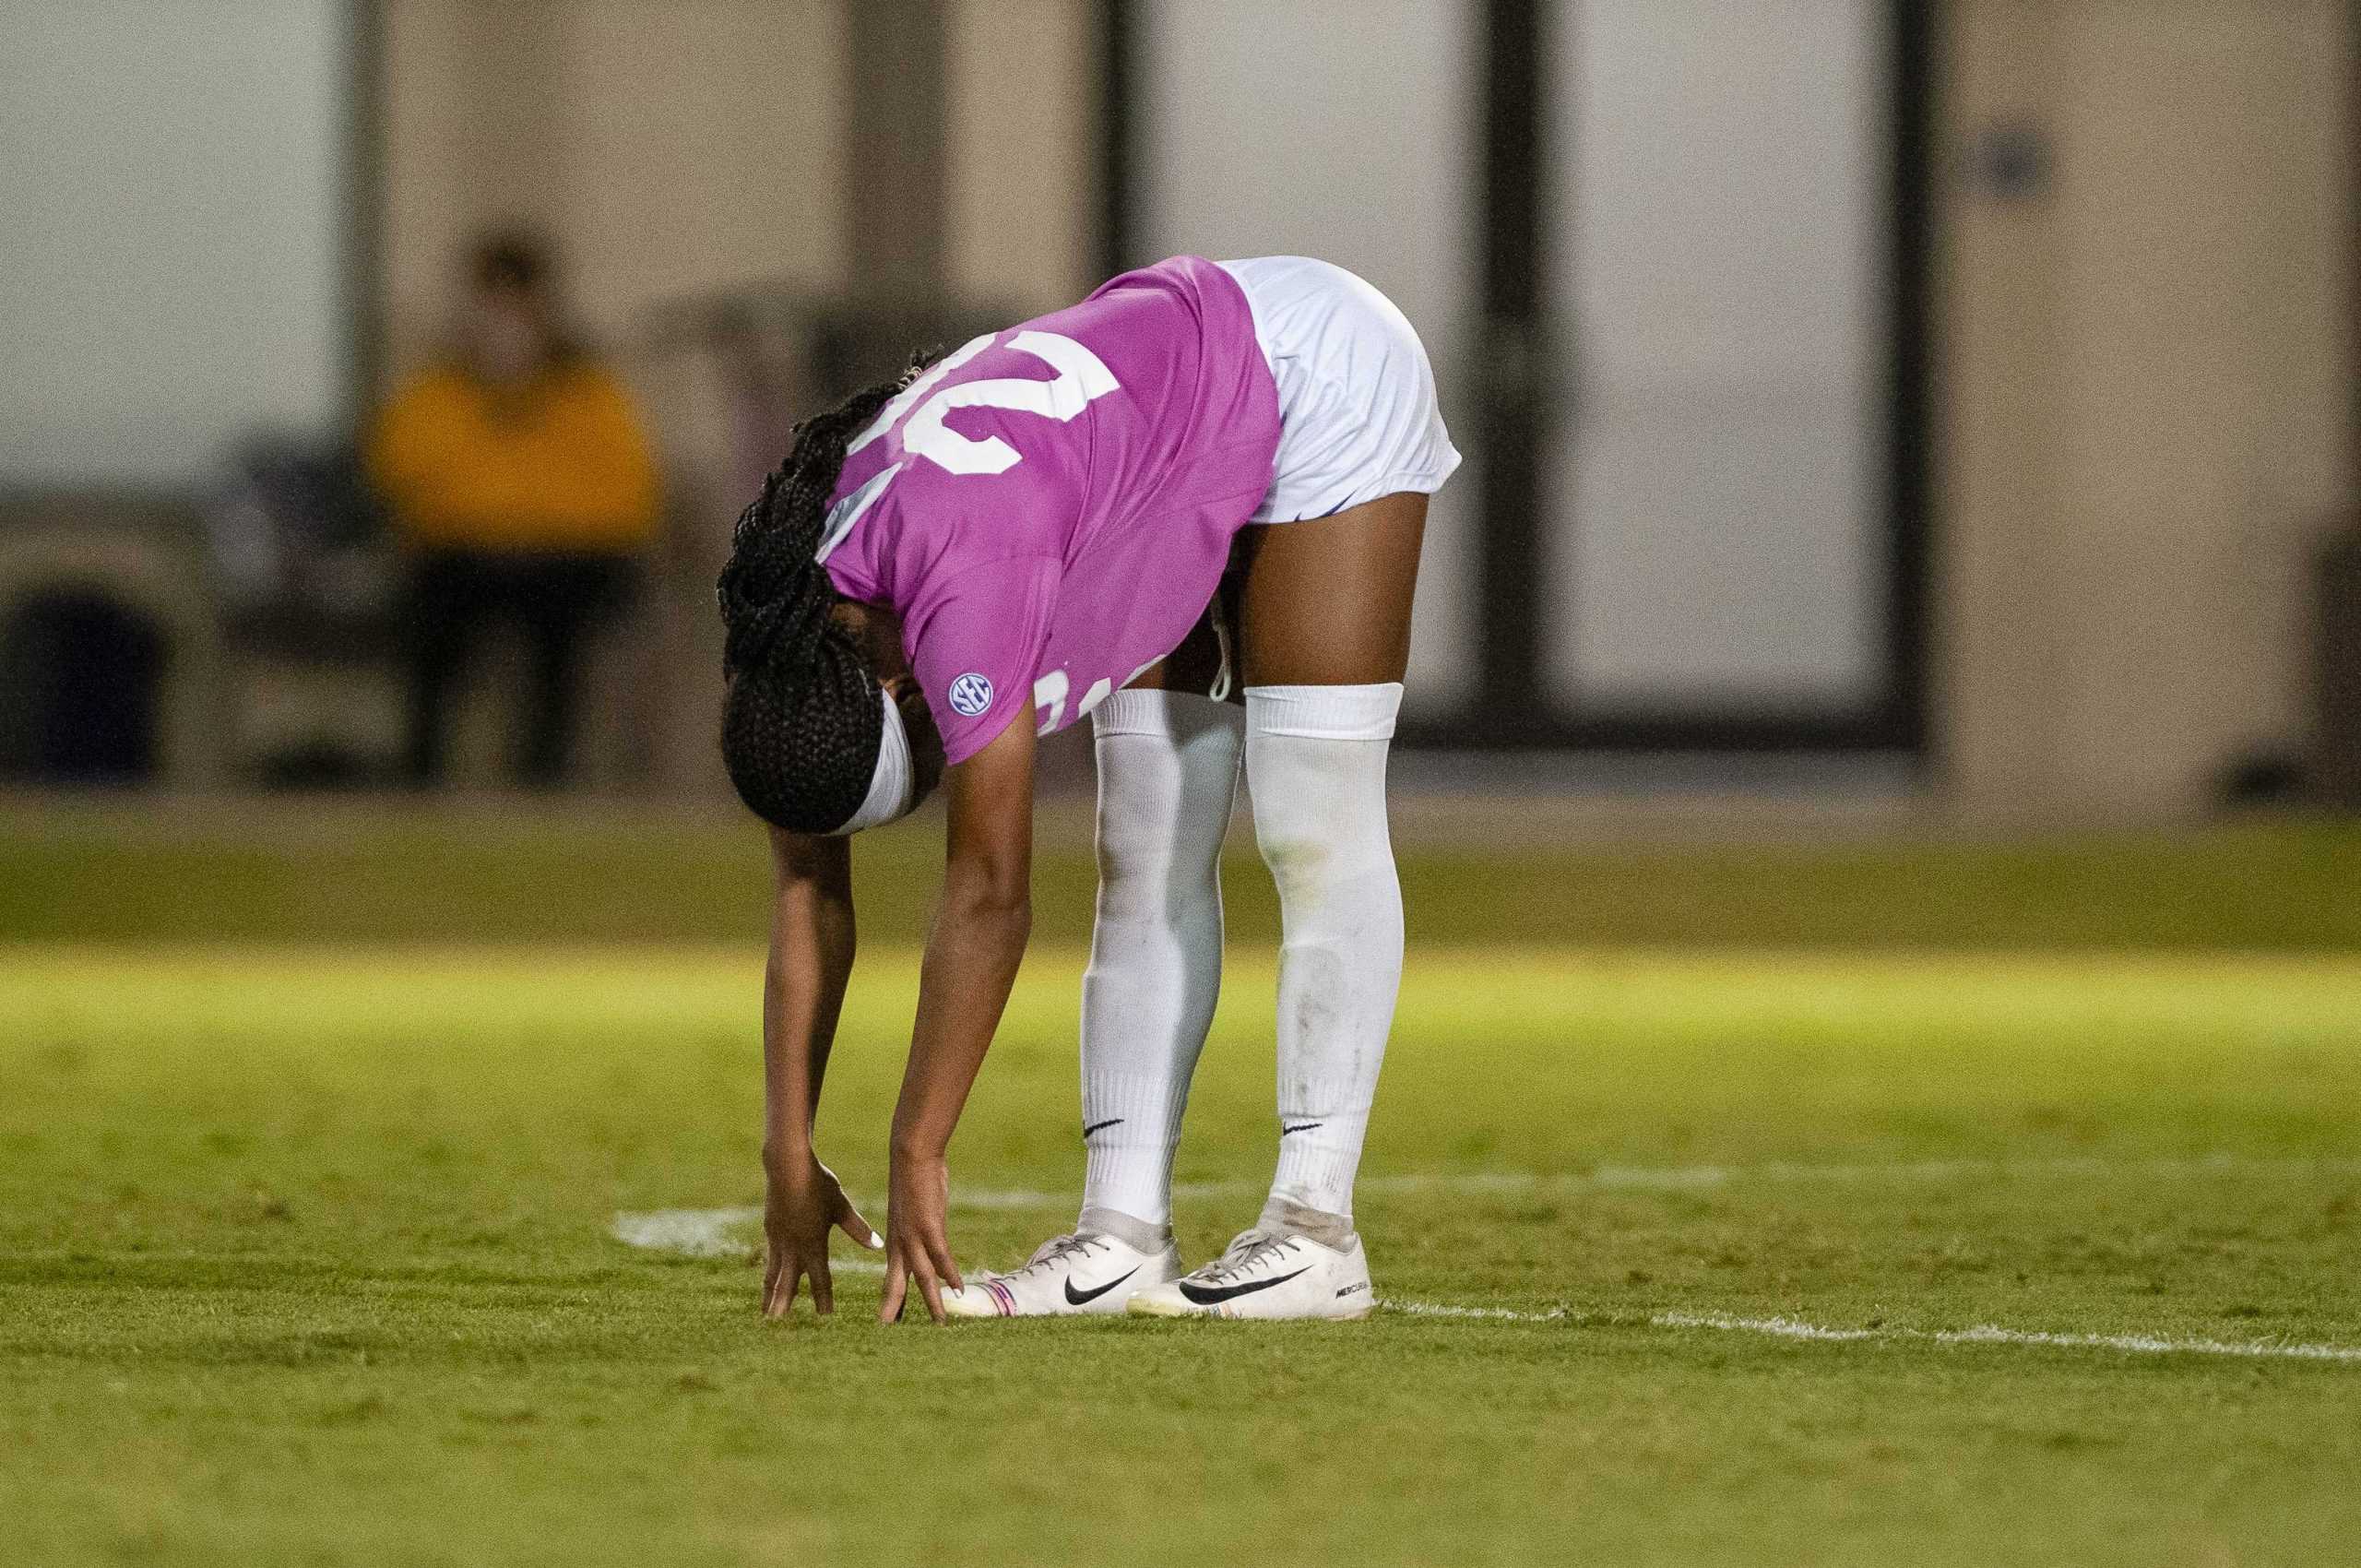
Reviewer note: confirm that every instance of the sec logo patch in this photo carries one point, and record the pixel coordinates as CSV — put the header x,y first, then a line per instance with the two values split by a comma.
x,y
970,694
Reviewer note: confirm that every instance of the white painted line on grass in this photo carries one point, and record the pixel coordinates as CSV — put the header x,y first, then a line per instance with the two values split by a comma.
x,y
708,1233
699,1227
696,1232
1499,1315
1987,1334
1689,1178
713,1233
1991,1333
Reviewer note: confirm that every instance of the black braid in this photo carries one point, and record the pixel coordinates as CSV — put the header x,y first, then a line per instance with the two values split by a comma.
x,y
802,725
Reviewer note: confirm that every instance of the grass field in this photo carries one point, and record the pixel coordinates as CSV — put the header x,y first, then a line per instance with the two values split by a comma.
x,y
309,1249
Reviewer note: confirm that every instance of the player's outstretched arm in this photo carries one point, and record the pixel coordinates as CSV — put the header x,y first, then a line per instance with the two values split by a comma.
x,y
972,957
803,990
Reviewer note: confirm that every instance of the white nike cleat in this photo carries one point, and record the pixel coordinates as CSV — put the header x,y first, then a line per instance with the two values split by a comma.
x,y
1267,1276
1069,1276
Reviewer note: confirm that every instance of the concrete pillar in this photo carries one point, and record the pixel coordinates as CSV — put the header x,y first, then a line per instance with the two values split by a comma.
x,y
1998,626
894,170
2146,367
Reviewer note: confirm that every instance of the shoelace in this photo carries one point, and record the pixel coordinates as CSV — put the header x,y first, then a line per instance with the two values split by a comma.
x,y
1056,1249
1248,1249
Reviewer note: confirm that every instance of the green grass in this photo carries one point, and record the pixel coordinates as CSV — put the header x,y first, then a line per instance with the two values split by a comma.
x,y
297,871
304,1252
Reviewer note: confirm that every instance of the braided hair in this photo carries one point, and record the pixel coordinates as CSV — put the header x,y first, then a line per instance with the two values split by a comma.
x,y
801,722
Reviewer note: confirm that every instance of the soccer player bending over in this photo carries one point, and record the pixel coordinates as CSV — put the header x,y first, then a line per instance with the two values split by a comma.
x,y
1205,482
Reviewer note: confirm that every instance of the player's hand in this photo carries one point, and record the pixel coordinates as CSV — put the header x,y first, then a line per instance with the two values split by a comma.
x,y
799,1207
915,1248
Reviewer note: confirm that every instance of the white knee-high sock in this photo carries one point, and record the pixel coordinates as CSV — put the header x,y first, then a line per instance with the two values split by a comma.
x,y
1167,777
1315,766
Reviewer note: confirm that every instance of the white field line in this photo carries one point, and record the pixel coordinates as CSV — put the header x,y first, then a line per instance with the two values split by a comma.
x,y
1686,1178
1689,1178
694,1232
1987,1334
710,1232
704,1233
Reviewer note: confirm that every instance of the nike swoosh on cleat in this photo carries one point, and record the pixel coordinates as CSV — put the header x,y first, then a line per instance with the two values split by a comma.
x,y
1101,1126
1073,1299
1206,1295
1305,1127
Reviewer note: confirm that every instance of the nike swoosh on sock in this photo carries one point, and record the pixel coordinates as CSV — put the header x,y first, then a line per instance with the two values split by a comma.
x,y
1304,1127
1101,1126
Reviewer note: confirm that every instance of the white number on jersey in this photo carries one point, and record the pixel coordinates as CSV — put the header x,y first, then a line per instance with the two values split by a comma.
x,y
1082,378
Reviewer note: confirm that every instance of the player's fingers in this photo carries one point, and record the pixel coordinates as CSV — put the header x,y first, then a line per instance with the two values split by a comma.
x,y
779,1293
770,1281
823,1290
889,1305
920,1262
938,1252
860,1229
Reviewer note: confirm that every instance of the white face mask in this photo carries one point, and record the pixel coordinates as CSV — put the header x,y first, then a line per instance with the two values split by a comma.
x,y
893,787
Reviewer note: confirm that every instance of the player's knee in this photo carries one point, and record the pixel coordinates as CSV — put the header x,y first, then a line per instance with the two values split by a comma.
x,y
1300,853
1130,884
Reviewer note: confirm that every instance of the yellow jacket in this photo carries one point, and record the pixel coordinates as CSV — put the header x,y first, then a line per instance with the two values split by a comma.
x,y
560,464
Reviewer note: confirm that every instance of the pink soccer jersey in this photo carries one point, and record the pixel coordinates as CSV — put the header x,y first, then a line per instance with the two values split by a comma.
x,y
1049,508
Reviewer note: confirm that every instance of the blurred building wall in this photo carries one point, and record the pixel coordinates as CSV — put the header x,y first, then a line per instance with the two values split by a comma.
x,y
1021,110
2144,357
667,149
2147,374
674,150
172,190
2142,345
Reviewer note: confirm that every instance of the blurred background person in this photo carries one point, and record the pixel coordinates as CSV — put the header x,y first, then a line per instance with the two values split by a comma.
x,y
524,493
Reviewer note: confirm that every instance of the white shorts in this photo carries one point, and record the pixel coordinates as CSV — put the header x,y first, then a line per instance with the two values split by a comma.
x,y
1358,414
